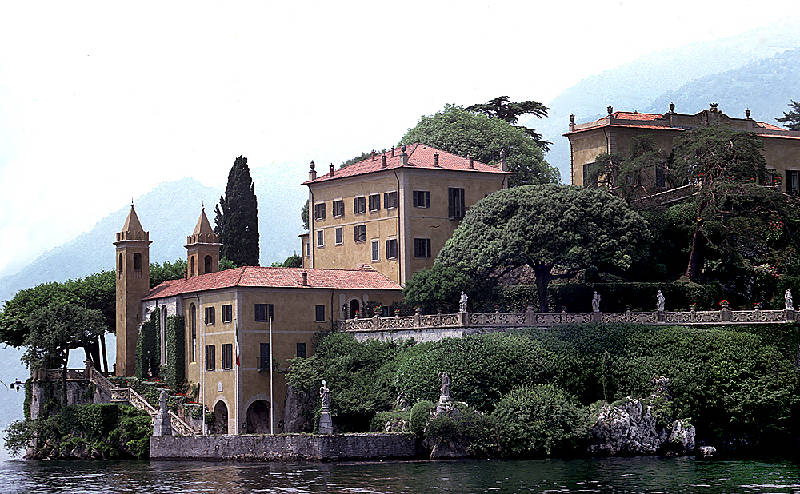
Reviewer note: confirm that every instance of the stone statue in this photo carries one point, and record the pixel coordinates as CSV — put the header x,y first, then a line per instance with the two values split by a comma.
x,y
445,384
325,421
596,302
325,394
789,302
660,301
162,422
462,303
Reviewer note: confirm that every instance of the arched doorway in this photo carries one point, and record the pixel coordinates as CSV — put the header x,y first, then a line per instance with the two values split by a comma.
x,y
257,418
220,418
353,308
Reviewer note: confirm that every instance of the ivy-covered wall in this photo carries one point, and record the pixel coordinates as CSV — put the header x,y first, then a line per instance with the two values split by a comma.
x,y
148,350
175,343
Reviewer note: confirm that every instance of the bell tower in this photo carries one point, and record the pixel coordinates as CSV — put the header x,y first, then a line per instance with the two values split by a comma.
x,y
202,248
133,284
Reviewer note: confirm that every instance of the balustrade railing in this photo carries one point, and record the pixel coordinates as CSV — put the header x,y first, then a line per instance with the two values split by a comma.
x,y
548,319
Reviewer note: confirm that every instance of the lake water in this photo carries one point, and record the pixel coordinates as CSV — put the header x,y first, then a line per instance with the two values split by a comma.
x,y
643,474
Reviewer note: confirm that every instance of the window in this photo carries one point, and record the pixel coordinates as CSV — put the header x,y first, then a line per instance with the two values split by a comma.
x,y
374,202
308,249
207,264
455,200
262,311
210,357
319,211
263,356
339,235
227,313
191,266
320,238
360,233
384,311
792,182
301,349
119,265
359,205
422,247
422,199
209,315
193,323
227,356
391,248
319,313
590,179
376,255
137,262
390,200
338,208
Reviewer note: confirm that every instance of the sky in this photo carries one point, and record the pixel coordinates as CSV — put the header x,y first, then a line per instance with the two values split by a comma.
x,y
102,101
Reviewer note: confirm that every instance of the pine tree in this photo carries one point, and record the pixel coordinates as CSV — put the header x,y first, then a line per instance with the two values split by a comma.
x,y
236,217
791,120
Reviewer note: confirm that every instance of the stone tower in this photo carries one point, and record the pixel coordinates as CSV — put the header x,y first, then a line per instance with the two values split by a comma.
x,y
133,284
202,248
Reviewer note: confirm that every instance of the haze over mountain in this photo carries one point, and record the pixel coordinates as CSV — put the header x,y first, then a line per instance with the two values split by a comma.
x,y
169,212
648,83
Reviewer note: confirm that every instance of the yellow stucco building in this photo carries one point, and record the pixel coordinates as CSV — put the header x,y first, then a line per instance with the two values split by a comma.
x,y
394,210
613,134
228,317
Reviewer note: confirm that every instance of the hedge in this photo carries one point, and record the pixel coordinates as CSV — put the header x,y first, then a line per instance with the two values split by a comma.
x,y
615,297
175,335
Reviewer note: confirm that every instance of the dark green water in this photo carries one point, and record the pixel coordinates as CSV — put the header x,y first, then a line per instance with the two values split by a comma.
x,y
597,475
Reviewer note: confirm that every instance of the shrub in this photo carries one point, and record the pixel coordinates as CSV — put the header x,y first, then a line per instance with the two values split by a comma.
x,y
539,420
378,422
482,368
465,426
420,415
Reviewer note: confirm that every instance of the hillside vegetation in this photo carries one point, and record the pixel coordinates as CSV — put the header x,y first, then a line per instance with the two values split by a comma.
x,y
737,385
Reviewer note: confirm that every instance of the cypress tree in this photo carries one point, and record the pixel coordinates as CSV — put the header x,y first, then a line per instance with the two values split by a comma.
x,y
236,217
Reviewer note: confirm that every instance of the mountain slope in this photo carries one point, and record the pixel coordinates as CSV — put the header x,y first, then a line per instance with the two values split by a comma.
x,y
169,212
638,85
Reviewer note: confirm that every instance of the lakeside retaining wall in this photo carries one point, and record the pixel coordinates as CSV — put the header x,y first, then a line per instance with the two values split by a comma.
x,y
286,447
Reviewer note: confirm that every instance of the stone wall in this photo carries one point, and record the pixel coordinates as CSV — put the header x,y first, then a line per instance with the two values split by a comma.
x,y
286,447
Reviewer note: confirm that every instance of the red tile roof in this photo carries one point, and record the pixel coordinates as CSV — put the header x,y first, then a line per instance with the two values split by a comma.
x,y
419,156
626,115
256,276
765,125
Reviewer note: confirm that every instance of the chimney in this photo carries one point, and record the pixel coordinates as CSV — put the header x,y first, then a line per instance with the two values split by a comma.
x,y
503,164
471,162
373,155
383,161
672,107
305,278
436,160
331,169
610,109
404,156
747,114
312,173
392,152
571,122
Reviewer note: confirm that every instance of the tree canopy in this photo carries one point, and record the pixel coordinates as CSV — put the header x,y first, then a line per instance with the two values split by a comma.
x,y
639,173
553,229
236,217
56,328
510,111
715,157
791,119
464,132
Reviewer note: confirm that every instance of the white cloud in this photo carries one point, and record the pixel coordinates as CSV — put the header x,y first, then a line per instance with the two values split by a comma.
x,y
101,101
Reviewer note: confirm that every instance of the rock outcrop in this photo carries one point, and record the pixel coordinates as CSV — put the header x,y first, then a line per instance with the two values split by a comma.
x,y
641,427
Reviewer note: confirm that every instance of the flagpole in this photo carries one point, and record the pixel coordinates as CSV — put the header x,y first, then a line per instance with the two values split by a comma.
x,y
271,407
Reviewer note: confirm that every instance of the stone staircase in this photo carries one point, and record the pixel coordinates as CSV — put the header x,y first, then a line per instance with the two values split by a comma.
x,y
130,396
